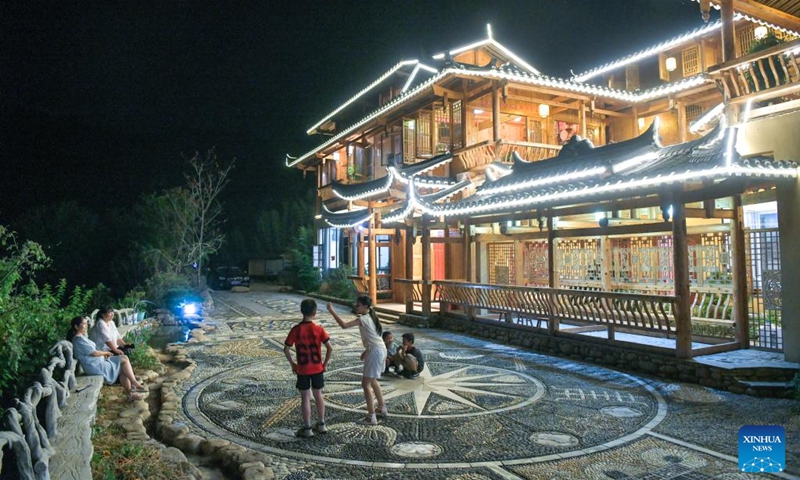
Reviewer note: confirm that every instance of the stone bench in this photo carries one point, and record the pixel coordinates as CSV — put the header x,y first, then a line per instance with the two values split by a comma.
x,y
73,443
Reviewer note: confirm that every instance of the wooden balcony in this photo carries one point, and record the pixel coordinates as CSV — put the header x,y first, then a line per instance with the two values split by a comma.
x,y
476,157
766,75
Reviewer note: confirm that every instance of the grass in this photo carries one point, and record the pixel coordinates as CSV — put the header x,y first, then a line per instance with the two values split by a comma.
x,y
115,457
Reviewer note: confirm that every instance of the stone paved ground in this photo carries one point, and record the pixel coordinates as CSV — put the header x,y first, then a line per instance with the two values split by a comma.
x,y
480,410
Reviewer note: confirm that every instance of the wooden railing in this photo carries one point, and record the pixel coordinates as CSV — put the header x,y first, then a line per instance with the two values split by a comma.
x,y
486,152
770,73
612,310
529,151
412,292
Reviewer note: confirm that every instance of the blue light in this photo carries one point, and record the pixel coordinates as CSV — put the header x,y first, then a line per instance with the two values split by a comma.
x,y
190,308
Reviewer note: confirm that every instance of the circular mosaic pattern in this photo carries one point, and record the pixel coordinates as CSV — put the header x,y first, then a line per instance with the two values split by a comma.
x,y
456,411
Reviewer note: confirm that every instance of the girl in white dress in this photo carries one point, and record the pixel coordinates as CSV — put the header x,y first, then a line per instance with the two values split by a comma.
x,y
374,356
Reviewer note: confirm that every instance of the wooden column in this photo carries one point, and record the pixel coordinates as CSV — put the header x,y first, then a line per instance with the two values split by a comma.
x,y
680,262
683,126
582,118
409,267
607,257
740,308
426,266
552,277
467,252
359,245
495,113
728,40
373,268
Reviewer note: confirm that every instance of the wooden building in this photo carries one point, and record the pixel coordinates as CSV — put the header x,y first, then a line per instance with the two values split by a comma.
x,y
616,200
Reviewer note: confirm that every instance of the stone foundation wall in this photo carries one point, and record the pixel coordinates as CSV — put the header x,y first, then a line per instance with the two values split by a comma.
x,y
602,352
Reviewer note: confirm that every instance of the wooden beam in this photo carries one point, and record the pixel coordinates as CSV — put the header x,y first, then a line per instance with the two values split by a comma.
x,y
440,91
761,11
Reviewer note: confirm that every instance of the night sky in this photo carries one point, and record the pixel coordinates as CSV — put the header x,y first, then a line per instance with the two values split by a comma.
x,y
99,99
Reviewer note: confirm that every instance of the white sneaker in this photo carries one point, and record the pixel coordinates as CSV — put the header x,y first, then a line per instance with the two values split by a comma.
x,y
371,420
384,412
320,427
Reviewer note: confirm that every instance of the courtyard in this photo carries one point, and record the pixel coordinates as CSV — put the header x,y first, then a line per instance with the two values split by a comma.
x,y
479,410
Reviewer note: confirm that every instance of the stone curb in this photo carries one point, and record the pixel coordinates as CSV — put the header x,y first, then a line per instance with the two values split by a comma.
x,y
250,464
132,419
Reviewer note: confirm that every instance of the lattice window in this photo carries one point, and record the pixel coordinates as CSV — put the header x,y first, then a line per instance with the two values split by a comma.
x,y
691,61
409,138
535,131
642,260
763,254
579,260
424,135
710,259
535,263
501,263
693,112
458,128
745,36
441,116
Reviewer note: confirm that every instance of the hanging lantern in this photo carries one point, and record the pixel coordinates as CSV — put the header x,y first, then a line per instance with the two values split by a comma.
x,y
544,110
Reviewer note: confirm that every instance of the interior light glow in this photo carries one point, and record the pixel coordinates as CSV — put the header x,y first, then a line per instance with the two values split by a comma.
x,y
760,32
599,215
478,111
641,123
517,119
671,63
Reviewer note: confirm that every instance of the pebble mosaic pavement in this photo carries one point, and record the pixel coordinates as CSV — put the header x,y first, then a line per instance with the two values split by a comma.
x,y
479,410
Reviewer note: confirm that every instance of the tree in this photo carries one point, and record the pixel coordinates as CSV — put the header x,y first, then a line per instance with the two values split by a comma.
x,y
184,222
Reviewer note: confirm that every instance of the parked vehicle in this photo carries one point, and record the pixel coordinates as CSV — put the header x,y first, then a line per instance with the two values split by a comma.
x,y
225,278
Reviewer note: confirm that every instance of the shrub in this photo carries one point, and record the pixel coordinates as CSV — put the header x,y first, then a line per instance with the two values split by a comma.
x,y
336,284
163,286
142,357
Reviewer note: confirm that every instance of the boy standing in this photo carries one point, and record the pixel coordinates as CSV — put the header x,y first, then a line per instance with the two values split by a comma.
x,y
307,337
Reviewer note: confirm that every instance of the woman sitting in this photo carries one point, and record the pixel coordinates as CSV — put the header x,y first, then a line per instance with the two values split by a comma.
x,y
105,335
95,362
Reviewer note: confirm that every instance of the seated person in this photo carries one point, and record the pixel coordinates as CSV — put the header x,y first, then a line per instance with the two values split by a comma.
x,y
391,348
105,335
95,362
408,360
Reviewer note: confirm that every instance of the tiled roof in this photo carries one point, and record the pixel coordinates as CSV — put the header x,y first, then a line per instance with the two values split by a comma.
x,y
358,191
514,74
346,219
631,170
666,45
405,171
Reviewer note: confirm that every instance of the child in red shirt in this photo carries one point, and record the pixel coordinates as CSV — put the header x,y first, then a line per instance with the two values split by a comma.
x,y
307,337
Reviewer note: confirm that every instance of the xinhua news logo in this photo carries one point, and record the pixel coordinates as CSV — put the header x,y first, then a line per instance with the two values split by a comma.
x,y
762,449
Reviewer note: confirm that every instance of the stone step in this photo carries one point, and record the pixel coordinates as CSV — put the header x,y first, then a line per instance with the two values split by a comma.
x,y
768,389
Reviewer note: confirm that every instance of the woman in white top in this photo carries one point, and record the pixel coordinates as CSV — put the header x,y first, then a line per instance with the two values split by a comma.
x,y
104,333
374,356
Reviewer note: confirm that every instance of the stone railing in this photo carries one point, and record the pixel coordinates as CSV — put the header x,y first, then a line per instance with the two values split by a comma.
x,y
30,425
